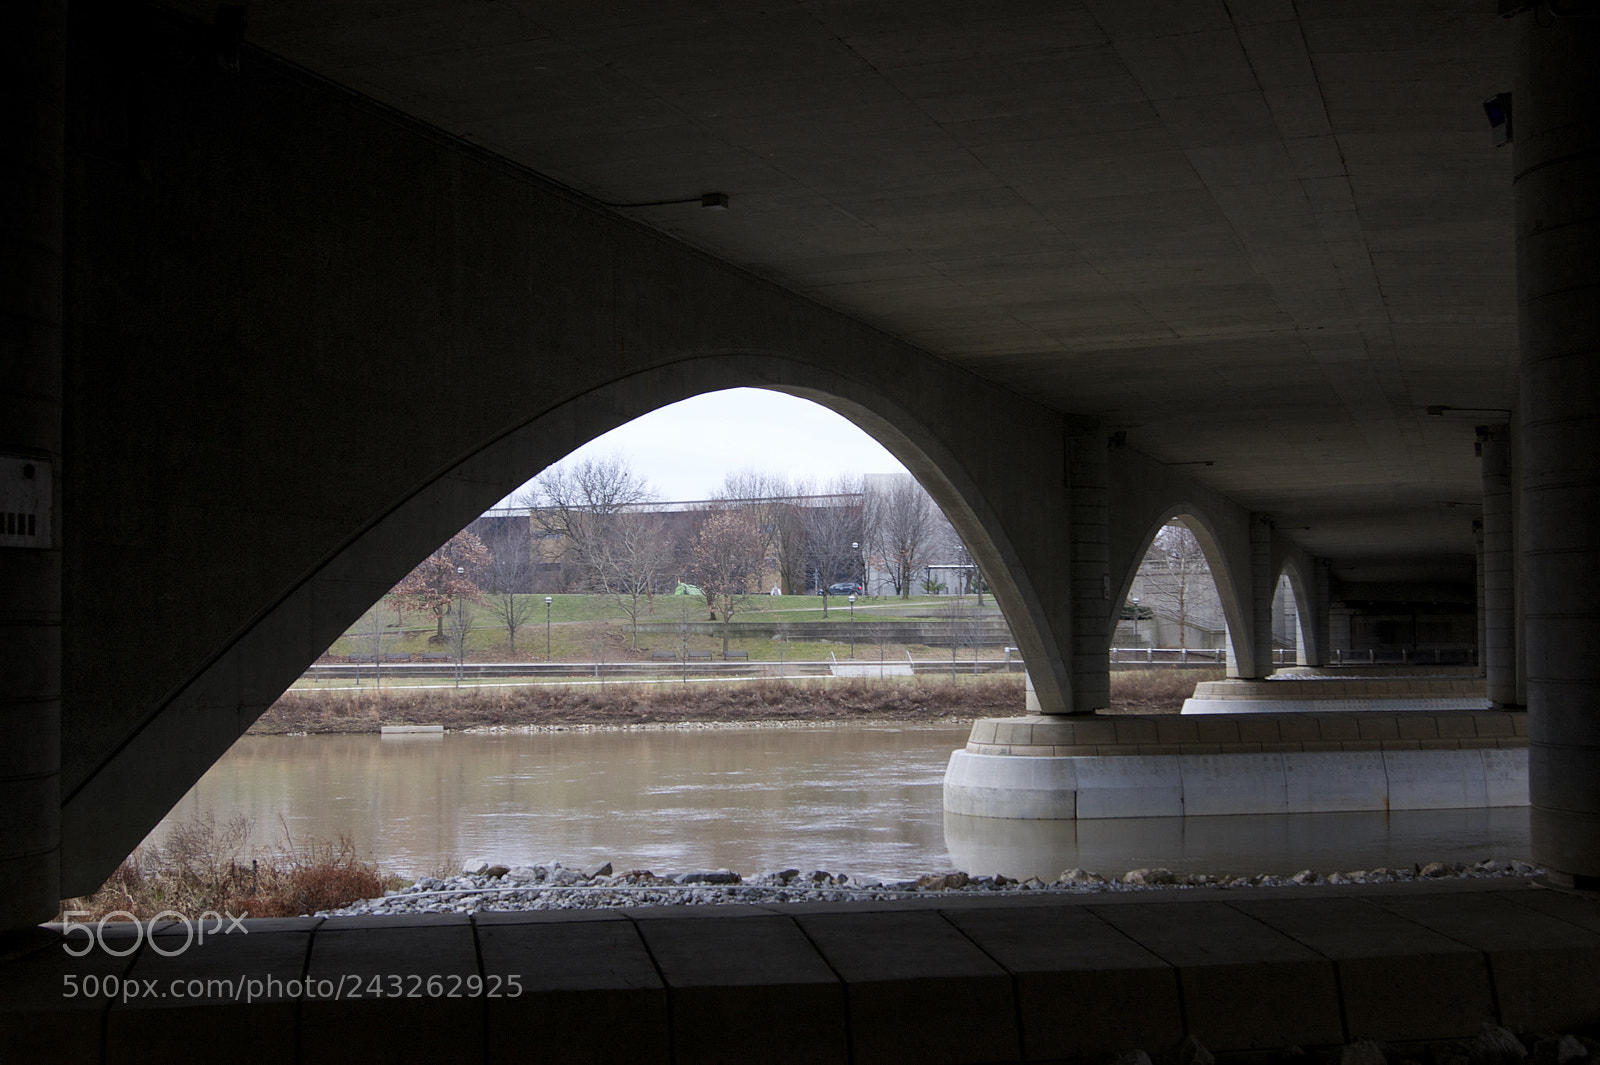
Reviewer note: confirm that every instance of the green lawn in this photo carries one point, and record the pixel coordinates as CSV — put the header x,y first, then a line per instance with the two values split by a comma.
x,y
585,628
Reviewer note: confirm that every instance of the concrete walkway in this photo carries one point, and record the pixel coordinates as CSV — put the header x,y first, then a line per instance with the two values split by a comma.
x,y
941,980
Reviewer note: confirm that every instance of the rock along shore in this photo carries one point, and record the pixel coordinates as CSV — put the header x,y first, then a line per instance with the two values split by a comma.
x,y
484,887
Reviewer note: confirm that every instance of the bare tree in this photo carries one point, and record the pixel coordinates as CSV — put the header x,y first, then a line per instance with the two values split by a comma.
x,y
727,559
508,578
578,505
630,562
944,547
833,534
899,524
1175,574
445,578
767,499
379,633
461,625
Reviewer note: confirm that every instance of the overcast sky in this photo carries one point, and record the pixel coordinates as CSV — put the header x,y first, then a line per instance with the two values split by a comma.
x,y
685,449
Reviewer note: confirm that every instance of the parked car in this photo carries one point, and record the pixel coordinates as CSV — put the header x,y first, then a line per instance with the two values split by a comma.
x,y
845,588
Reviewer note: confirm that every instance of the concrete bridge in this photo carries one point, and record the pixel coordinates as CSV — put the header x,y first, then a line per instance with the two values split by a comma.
x,y
289,303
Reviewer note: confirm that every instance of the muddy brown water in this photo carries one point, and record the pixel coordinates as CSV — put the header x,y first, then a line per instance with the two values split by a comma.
x,y
863,800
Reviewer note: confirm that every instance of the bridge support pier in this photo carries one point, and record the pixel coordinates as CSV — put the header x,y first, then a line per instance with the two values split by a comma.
x,y
1324,614
1263,584
1557,197
1092,622
32,64
1499,575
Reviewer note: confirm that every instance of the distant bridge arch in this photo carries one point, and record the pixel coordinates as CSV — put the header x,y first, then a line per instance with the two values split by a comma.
x,y
1212,545
1146,495
1292,568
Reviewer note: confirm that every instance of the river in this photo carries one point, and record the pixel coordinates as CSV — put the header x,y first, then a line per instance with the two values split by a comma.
x,y
853,799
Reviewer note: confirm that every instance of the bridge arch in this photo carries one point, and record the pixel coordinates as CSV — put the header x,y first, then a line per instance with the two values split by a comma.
x,y
1145,495
942,444
1305,617
1205,531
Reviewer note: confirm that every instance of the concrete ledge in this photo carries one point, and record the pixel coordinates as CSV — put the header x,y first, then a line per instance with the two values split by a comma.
x,y
1365,703
1305,694
938,981
1244,733
1265,782
1304,687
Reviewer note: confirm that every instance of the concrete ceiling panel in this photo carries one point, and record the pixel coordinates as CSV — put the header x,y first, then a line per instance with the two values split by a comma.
x,y
1225,223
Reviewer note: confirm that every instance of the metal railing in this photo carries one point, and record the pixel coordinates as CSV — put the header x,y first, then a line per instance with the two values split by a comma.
x,y
1170,656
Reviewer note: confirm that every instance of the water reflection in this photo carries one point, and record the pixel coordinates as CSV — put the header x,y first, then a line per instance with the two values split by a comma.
x,y
858,800
865,801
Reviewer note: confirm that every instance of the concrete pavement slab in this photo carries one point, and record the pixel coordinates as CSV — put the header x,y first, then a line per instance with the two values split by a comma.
x,y
244,983
588,990
1083,988
53,1004
1546,969
1245,986
913,983
738,988
390,993
1399,980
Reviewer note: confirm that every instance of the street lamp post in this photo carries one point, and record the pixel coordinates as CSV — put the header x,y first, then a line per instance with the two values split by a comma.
x,y
855,563
547,602
852,624
1135,602
461,633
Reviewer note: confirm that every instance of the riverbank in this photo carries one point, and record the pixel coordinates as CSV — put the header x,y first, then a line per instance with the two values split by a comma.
x,y
840,700
483,888
843,700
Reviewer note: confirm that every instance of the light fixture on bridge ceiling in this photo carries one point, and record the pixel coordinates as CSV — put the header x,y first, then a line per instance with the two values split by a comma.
x,y
1193,462
1498,108
711,201
1454,503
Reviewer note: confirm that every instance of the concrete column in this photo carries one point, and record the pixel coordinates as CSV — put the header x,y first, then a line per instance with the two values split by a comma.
x,y
32,71
1556,101
1092,623
1263,585
1324,618
1499,578
1477,540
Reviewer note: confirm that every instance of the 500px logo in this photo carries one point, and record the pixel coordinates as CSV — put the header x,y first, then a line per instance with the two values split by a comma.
x,y
194,932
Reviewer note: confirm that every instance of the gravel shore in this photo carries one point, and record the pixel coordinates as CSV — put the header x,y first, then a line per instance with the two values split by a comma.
x,y
484,887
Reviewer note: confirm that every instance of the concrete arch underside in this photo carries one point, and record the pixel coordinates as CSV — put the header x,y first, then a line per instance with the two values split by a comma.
x,y
1146,496
439,326
1297,568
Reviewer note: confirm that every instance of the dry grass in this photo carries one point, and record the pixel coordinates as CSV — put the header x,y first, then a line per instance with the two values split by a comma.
x,y
931,697
842,700
203,866
1160,690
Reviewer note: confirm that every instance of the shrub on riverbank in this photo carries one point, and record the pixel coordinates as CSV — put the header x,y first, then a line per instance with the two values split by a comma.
x,y
203,867
943,698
